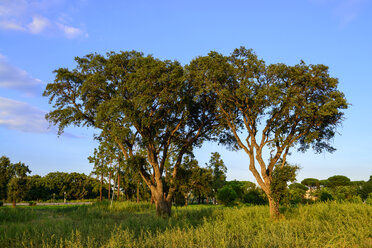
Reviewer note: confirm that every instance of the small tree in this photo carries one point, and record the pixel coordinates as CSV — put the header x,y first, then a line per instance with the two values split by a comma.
x,y
226,195
18,184
186,179
6,173
219,170
335,181
311,183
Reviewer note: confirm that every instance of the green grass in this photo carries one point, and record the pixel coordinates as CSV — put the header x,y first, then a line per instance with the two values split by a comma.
x,y
129,224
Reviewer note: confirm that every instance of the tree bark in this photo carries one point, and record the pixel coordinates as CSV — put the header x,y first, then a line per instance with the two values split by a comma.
x,y
274,208
14,204
162,203
163,207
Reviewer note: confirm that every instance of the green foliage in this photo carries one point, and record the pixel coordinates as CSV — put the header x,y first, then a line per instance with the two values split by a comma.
x,y
336,181
311,183
282,174
55,184
17,188
202,180
297,193
369,199
247,192
365,188
226,195
255,197
37,189
218,171
277,106
325,195
136,101
6,173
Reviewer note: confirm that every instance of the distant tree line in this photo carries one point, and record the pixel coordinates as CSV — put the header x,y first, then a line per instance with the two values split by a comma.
x,y
17,185
339,188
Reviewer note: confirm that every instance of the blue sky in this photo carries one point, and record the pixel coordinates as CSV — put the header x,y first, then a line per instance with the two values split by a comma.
x,y
37,37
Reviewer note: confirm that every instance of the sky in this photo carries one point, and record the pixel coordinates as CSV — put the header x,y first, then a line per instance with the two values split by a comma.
x,y
38,37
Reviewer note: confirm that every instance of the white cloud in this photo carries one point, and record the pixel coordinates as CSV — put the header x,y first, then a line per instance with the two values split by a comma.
x,y
22,116
38,17
69,31
38,24
12,77
11,25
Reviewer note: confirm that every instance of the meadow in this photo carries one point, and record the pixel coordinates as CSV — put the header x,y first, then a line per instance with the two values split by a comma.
x,y
129,224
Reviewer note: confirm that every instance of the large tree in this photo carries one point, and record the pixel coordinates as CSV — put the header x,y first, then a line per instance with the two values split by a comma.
x,y
136,100
272,108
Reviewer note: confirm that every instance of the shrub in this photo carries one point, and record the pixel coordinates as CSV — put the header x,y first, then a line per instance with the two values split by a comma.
x,y
226,195
254,197
1,203
369,199
324,195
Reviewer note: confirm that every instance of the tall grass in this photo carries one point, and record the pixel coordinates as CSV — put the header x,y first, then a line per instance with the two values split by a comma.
x,y
129,224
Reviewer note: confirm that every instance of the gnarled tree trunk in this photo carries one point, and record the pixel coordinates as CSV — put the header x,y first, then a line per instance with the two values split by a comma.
x,y
163,205
274,208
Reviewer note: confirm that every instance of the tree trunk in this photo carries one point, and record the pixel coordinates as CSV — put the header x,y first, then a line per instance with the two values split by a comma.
x,y
118,185
163,207
14,203
138,182
100,189
186,200
274,208
109,191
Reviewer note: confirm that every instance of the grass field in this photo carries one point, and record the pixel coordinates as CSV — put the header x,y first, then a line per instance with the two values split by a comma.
x,y
129,224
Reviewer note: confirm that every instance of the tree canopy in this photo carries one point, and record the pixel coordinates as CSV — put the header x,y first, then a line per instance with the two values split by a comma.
x,y
139,101
277,106
136,100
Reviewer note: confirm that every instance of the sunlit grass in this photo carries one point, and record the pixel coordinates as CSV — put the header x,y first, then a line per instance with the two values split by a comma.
x,y
128,224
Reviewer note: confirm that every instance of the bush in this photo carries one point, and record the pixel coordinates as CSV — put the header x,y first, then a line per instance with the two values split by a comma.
x,y
1,203
324,195
254,197
369,199
226,195
356,199
32,203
